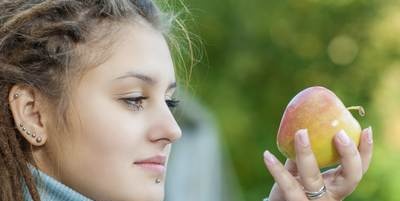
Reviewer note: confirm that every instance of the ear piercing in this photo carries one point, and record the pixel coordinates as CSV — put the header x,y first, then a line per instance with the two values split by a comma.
x,y
16,95
39,138
33,134
158,181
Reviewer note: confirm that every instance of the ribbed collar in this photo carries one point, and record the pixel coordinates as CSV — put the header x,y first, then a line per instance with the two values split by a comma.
x,y
50,189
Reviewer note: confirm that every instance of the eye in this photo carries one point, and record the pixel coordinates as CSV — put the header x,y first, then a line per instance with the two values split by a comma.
x,y
135,103
173,103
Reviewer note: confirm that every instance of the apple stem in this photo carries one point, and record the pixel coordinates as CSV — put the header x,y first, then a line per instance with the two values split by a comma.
x,y
360,109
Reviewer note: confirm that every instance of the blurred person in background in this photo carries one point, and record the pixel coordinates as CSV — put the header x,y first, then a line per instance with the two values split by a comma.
x,y
199,168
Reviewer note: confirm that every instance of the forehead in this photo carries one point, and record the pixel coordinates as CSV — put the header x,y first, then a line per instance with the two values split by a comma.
x,y
136,47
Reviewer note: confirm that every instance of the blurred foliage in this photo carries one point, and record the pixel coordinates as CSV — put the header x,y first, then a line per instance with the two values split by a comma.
x,y
260,53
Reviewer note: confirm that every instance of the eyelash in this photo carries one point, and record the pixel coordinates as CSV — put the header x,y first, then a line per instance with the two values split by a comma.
x,y
172,103
136,103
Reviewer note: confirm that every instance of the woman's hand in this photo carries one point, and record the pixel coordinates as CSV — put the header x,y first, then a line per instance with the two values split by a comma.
x,y
296,177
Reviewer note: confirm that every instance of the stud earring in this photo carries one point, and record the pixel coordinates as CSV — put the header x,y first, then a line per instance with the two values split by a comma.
x,y
158,181
16,95
39,139
33,134
24,129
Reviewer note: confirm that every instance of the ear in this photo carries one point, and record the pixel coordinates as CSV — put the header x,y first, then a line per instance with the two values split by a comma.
x,y
27,107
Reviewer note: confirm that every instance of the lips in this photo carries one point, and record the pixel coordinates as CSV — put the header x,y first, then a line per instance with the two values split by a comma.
x,y
159,159
155,163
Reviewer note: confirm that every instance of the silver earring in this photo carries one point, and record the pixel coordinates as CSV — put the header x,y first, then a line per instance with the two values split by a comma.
x,y
23,128
158,181
16,95
33,134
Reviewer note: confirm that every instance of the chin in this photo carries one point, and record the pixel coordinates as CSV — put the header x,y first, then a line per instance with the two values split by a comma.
x,y
151,197
154,192
157,194
151,192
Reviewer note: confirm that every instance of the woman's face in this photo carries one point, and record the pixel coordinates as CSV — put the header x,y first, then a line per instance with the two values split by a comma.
x,y
120,117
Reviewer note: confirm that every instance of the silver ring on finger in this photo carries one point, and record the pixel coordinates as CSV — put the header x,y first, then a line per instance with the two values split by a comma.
x,y
317,194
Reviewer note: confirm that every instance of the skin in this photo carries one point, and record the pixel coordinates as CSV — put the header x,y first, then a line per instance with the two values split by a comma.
x,y
109,134
303,174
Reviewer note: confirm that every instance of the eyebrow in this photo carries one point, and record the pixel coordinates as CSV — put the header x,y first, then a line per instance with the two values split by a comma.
x,y
145,78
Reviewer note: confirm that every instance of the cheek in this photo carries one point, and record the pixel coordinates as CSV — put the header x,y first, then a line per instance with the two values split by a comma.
x,y
110,129
107,140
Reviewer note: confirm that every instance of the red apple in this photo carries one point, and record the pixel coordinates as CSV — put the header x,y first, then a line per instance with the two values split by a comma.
x,y
321,112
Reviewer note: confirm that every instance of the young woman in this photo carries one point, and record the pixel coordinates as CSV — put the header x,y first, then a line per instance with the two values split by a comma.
x,y
87,88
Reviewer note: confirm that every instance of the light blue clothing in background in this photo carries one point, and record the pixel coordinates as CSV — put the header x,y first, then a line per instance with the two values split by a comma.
x,y
50,189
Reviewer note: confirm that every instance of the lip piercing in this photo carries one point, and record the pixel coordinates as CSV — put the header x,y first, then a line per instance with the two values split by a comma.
x,y
158,181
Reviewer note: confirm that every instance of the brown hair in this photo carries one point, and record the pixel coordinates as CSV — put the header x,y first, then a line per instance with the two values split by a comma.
x,y
37,43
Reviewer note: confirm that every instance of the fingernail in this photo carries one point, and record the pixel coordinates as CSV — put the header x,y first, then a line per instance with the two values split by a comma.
x,y
369,135
303,137
269,158
344,139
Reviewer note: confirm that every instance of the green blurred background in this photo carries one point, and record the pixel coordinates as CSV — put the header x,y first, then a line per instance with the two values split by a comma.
x,y
260,53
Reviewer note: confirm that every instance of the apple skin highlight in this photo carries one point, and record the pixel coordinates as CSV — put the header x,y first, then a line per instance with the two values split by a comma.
x,y
323,114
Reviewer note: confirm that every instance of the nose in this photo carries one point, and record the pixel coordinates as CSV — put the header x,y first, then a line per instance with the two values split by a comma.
x,y
165,128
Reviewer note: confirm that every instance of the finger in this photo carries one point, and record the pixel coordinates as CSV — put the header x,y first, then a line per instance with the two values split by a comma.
x,y
365,148
291,189
291,167
306,163
350,160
